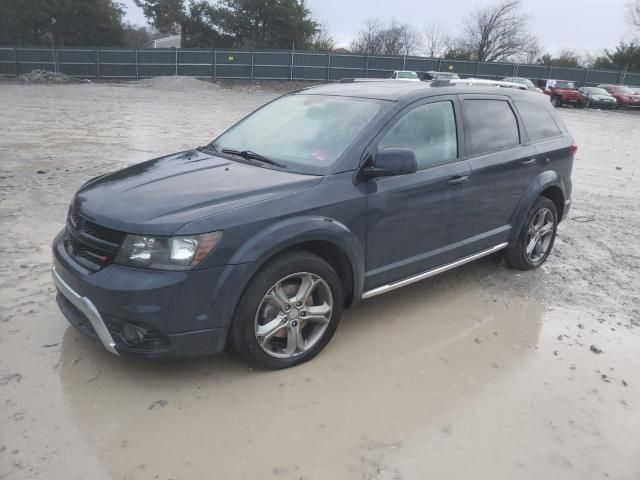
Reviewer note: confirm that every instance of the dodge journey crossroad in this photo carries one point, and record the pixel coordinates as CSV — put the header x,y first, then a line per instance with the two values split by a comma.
x,y
318,200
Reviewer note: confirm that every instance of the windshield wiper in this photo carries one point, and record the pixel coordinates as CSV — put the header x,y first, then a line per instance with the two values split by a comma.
x,y
249,155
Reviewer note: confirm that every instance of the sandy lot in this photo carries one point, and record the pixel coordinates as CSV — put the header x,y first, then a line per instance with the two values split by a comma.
x,y
484,372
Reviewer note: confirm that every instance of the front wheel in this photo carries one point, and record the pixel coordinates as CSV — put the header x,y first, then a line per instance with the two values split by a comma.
x,y
536,238
556,102
289,311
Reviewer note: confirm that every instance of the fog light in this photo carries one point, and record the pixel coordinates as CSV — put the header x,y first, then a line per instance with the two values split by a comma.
x,y
132,334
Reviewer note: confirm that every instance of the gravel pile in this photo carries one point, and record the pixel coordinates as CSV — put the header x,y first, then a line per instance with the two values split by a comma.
x,y
44,76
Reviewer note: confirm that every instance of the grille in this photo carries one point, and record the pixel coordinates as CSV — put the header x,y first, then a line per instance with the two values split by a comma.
x,y
91,245
84,226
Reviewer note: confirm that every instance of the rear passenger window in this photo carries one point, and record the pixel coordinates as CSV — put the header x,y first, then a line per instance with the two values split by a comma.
x,y
538,121
429,131
490,125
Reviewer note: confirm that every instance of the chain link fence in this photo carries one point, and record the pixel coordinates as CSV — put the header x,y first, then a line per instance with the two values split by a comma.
x,y
118,63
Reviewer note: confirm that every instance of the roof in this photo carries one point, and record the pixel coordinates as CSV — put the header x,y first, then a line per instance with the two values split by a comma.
x,y
394,91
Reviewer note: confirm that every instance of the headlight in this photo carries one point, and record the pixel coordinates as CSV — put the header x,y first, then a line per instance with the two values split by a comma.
x,y
166,253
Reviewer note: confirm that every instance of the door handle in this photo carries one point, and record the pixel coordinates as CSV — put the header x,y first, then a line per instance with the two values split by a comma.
x,y
458,179
526,163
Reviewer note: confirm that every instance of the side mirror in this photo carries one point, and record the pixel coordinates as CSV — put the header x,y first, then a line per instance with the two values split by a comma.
x,y
391,161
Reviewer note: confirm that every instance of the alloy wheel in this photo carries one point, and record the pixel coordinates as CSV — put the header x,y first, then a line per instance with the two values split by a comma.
x,y
539,235
293,315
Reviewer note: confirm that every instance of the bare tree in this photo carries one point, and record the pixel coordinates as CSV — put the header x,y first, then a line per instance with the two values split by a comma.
x,y
498,32
436,40
634,16
323,40
395,38
368,40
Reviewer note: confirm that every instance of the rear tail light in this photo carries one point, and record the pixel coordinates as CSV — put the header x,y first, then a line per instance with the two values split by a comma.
x,y
573,149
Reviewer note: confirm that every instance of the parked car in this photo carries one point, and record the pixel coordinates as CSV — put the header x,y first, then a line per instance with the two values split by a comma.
x,y
625,96
317,200
431,75
562,92
406,75
598,97
524,81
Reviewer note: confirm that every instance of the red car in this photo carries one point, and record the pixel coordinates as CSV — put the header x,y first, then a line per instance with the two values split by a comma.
x,y
626,97
562,92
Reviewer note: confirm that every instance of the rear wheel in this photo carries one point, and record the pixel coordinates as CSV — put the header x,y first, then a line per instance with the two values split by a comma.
x,y
536,238
289,311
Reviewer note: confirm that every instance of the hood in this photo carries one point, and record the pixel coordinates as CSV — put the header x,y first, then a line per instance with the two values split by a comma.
x,y
161,195
566,91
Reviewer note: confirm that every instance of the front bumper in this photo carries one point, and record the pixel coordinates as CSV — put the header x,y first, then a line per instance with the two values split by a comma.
x,y
184,313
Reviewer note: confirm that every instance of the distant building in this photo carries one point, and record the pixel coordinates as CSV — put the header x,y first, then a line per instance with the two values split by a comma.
x,y
172,41
340,50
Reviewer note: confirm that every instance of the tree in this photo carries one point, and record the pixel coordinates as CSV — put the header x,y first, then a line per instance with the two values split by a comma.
x,y
566,58
634,16
436,40
626,56
165,15
240,23
497,32
62,23
266,23
323,40
136,36
392,39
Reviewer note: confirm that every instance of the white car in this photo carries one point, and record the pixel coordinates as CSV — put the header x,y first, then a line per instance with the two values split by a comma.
x,y
406,75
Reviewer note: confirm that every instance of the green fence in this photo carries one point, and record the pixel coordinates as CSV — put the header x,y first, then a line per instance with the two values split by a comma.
x,y
271,65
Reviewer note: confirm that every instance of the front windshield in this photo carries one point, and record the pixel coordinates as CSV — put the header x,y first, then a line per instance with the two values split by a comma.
x,y
597,91
306,133
412,75
623,90
564,85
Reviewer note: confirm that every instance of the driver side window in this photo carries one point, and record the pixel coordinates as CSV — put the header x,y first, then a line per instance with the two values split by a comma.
x,y
429,131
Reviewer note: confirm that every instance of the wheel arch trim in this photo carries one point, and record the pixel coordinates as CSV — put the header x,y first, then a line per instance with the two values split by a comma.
x,y
545,180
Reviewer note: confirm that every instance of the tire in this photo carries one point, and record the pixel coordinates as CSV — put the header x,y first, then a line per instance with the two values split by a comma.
x,y
518,255
581,105
269,329
556,102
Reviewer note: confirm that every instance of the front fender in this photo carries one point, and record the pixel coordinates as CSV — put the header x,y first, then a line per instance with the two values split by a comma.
x,y
294,231
546,179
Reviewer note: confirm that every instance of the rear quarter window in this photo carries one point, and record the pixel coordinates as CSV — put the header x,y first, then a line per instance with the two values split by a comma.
x,y
490,125
538,121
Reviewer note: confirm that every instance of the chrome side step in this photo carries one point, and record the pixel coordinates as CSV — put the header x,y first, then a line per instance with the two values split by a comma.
x,y
431,273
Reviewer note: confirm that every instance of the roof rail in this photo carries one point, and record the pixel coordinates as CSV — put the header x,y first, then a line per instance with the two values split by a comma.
x,y
358,80
477,82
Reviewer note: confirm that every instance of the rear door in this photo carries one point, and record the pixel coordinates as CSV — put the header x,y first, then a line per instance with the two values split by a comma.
x,y
407,214
503,163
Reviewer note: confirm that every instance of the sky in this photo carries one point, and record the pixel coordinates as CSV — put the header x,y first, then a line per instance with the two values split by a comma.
x,y
581,25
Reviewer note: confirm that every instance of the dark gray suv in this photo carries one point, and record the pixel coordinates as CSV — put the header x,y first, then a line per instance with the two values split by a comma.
x,y
317,200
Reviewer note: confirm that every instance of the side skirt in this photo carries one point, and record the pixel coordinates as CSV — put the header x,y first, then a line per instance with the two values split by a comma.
x,y
430,273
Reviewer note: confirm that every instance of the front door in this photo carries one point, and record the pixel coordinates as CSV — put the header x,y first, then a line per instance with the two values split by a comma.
x,y
407,214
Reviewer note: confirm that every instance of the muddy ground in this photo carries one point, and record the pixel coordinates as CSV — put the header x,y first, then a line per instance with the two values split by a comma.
x,y
484,372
